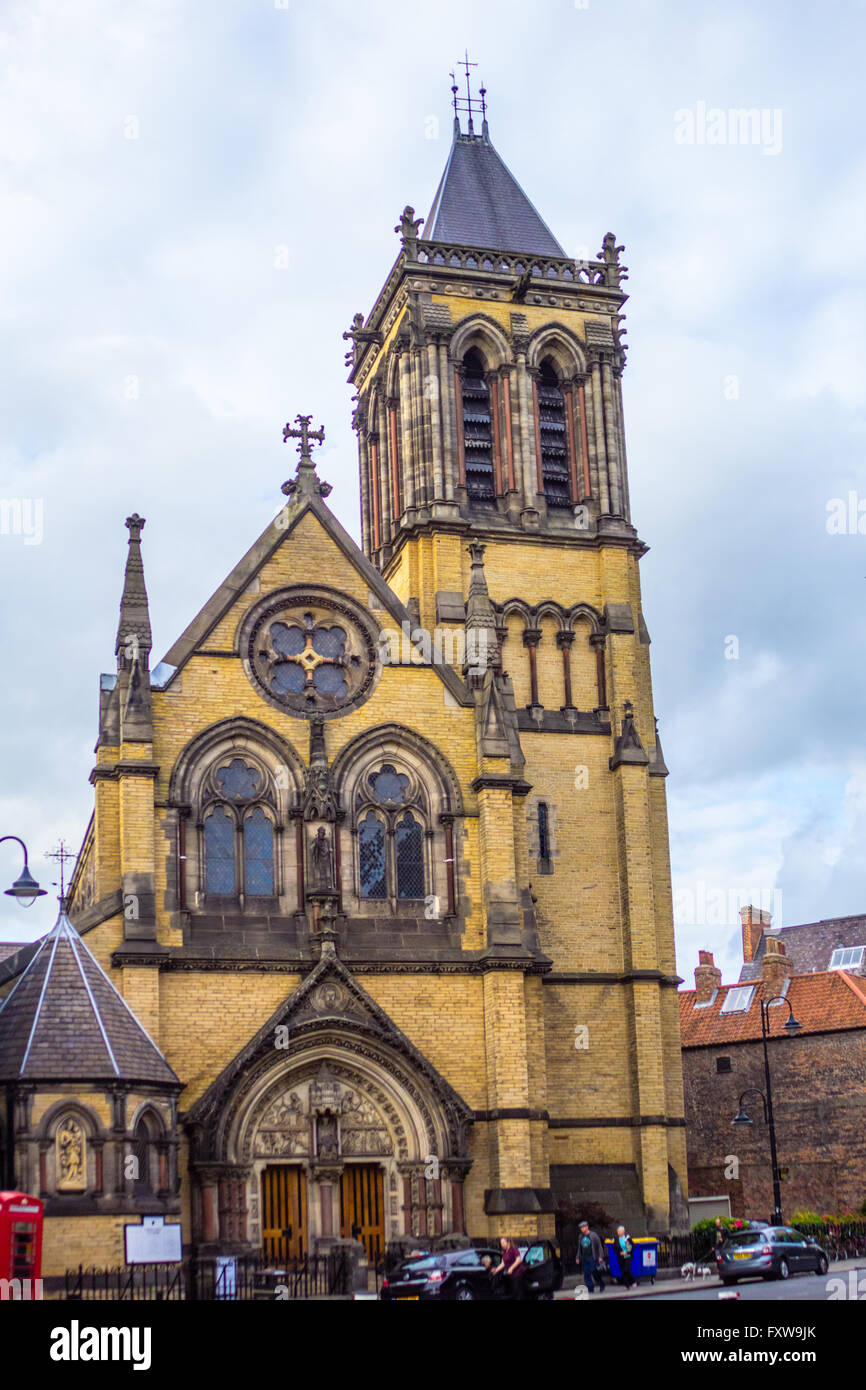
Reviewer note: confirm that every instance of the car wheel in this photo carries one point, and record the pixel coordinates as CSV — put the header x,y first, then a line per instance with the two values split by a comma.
x,y
823,1265
545,1297
726,1281
464,1294
784,1269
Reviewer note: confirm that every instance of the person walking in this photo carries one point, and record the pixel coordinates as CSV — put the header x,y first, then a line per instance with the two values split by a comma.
x,y
590,1257
720,1235
624,1248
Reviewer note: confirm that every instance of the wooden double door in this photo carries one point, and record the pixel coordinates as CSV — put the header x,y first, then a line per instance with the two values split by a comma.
x,y
284,1210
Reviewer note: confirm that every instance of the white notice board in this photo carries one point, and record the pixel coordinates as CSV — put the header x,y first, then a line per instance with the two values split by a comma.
x,y
153,1242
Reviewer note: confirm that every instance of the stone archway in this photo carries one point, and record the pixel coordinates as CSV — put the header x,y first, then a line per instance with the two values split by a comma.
x,y
327,1084
337,1117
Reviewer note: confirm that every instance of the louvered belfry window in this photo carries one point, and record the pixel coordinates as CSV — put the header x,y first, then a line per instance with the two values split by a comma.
x,y
477,430
554,439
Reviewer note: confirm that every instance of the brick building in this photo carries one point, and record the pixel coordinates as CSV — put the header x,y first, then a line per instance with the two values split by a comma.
x,y
818,1076
379,855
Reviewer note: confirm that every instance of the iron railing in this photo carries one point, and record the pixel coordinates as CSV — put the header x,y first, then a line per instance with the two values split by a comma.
x,y
207,1279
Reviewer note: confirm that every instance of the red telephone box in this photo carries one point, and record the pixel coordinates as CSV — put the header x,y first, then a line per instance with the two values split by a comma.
x,y
20,1237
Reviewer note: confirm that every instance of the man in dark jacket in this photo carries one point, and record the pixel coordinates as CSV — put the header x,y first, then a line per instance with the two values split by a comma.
x,y
590,1257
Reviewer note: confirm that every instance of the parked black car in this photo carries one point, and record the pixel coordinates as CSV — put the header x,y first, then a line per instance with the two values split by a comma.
x,y
461,1275
451,1274
776,1252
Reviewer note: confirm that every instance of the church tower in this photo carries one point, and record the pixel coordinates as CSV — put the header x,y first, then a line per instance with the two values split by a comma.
x,y
492,456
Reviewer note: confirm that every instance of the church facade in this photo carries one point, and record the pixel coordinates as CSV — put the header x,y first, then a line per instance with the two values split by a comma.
x,y
373,923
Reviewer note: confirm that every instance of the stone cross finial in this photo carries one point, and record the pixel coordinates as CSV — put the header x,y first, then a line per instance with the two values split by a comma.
x,y
305,434
306,480
135,525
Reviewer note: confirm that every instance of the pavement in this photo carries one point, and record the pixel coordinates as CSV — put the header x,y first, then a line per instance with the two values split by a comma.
x,y
670,1284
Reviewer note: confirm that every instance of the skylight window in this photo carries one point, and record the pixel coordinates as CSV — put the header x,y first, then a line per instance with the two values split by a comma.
x,y
738,1001
847,958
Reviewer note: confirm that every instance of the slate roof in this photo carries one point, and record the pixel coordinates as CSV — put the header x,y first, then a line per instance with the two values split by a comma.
x,y
480,203
823,1002
810,945
65,1021
10,948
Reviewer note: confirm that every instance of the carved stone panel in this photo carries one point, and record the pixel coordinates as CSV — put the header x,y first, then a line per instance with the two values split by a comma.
x,y
284,1129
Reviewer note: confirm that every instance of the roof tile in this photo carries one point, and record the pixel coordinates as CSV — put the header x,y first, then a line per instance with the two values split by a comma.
x,y
65,1021
822,1002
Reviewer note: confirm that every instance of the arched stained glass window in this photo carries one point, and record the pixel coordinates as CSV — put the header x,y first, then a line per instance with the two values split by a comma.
x,y
409,853
219,852
258,855
371,856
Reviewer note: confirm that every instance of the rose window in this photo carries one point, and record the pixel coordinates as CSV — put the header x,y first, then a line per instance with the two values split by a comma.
x,y
315,659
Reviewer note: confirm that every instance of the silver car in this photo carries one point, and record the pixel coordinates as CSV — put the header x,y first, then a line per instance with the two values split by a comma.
x,y
776,1252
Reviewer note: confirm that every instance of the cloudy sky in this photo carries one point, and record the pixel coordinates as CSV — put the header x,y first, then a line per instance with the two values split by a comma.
x,y
195,199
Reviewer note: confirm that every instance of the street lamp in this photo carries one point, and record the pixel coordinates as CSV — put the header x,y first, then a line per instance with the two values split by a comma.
x,y
25,888
791,1027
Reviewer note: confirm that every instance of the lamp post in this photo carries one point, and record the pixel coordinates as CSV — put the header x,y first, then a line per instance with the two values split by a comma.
x,y
25,888
791,1027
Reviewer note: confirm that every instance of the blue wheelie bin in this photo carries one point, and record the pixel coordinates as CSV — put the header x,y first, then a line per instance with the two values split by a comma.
x,y
644,1258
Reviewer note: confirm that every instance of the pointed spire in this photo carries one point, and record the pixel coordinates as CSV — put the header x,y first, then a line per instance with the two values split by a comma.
x,y
628,747
658,766
478,201
319,802
134,639
482,648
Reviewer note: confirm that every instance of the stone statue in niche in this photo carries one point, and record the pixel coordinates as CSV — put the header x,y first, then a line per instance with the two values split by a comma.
x,y
70,1156
327,1145
320,858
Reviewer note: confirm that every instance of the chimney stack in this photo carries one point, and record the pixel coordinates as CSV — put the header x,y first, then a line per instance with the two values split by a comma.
x,y
755,920
775,967
708,977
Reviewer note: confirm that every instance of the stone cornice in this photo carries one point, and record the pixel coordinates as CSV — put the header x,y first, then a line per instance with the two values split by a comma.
x,y
616,1122
168,960
610,977
496,782
112,771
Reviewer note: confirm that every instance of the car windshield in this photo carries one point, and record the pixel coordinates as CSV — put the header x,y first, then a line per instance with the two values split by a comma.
x,y
746,1237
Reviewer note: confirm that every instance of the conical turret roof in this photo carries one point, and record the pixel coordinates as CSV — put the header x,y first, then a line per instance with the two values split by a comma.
x,y
65,1021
